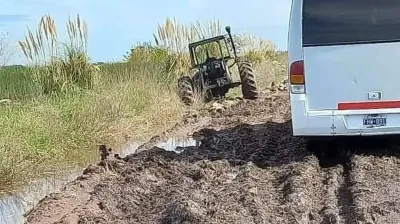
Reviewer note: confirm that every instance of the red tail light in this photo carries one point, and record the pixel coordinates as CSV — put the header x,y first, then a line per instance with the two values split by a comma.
x,y
297,73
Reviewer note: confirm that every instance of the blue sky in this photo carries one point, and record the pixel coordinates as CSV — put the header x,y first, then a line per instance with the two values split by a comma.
x,y
116,25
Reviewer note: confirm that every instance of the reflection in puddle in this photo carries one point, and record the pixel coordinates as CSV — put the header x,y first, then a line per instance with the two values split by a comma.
x,y
13,207
176,144
172,144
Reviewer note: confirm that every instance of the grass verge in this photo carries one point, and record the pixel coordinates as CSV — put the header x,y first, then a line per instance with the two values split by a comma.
x,y
50,134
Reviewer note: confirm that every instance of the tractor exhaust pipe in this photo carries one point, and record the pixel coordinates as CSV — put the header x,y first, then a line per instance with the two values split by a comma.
x,y
228,30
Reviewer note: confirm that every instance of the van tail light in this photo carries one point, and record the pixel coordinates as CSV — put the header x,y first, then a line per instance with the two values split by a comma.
x,y
297,80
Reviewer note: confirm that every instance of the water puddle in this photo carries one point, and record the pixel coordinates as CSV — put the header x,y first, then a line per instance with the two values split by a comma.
x,y
173,144
13,207
177,144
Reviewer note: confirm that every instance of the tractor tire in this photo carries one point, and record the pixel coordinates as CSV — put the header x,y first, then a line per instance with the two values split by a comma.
x,y
249,84
185,90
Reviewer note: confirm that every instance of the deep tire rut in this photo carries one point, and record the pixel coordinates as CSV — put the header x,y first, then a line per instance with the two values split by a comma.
x,y
345,197
331,211
339,205
303,193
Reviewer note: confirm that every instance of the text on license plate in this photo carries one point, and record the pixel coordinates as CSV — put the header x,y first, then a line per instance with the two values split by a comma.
x,y
374,121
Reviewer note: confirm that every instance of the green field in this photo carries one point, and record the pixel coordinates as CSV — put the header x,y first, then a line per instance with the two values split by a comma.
x,y
57,109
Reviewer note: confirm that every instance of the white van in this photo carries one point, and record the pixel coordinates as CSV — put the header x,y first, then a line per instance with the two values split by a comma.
x,y
344,60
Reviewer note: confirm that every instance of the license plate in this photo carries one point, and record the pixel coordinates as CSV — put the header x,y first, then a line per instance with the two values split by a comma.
x,y
374,121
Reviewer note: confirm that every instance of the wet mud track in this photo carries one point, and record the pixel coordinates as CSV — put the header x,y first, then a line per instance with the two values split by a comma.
x,y
247,169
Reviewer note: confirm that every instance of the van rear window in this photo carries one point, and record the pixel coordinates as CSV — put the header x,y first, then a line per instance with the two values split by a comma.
x,y
331,22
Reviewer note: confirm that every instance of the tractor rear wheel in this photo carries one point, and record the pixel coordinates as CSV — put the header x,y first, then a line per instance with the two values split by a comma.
x,y
185,90
249,84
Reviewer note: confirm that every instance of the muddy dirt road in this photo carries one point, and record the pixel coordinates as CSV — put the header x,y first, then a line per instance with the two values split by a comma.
x,y
247,169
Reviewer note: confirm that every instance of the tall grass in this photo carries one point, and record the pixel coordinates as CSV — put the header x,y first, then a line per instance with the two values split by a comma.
x,y
175,37
16,84
62,105
57,66
256,49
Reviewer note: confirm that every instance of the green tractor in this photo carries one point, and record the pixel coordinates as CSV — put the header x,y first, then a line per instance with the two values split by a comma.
x,y
212,79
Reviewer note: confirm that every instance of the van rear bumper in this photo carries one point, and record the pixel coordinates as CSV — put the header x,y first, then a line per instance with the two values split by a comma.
x,y
339,122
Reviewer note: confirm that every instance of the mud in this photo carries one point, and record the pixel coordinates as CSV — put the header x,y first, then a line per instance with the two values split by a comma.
x,y
245,168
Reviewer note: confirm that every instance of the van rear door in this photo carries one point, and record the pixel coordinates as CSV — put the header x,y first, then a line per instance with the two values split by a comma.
x,y
351,52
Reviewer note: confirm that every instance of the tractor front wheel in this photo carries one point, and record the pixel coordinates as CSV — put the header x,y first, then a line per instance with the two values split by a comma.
x,y
185,90
249,84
